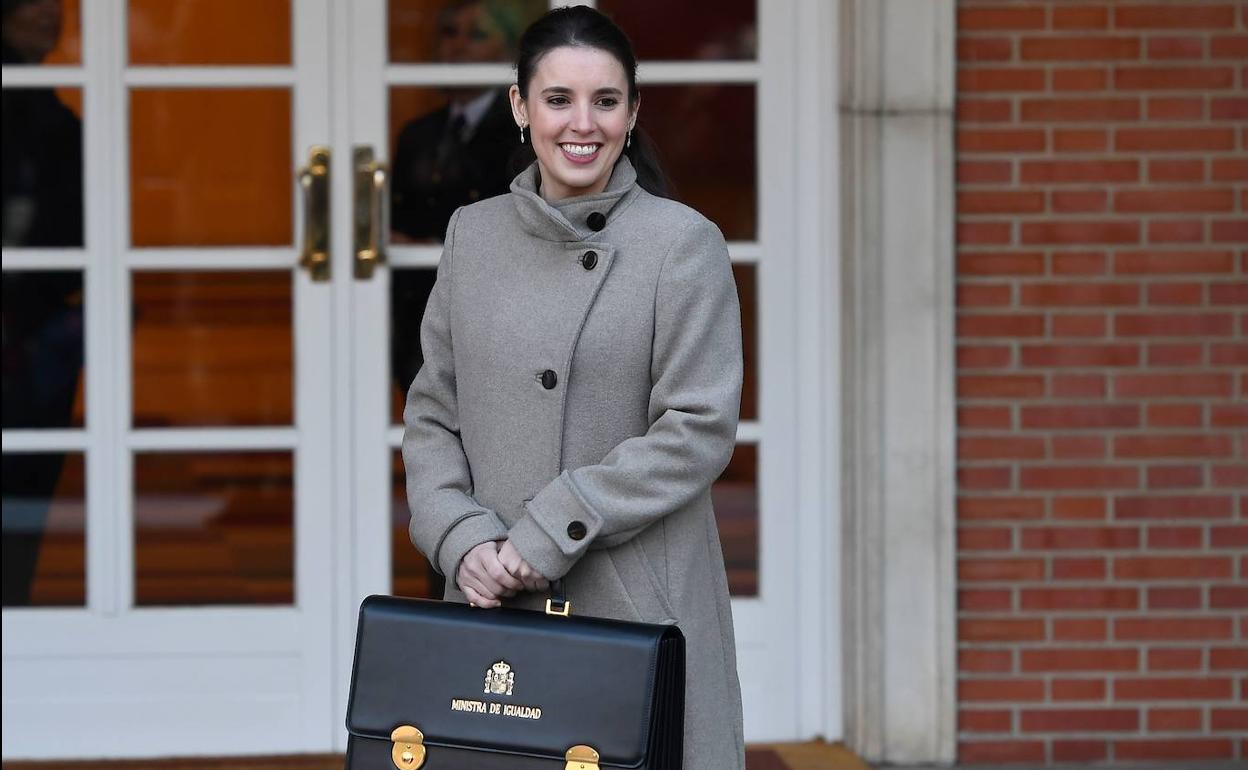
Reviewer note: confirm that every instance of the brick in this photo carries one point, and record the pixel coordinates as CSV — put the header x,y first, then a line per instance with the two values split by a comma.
x,y
1175,415
1185,15
1172,262
1000,18
1080,17
1174,598
1228,658
1180,199
971,417
1000,140
1229,354
1001,751
1165,445
1174,720
985,661
1014,508
1012,689
1177,688
1079,477
985,172
1174,324
1078,447
1173,78
1181,170
984,110
1174,659
1229,719
1175,477
1000,202
1077,294
999,79
1008,570
1079,386
1080,49
995,233
1079,171
1229,170
1175,537
1176,355
1235,294
1080,629
1229,476
1080,355
1001,630
1080,720
1173,748
1077,689
977,295
1000,447
1069,110
1087,538
1080,79
985,478
1229,231
999,325
1079,201
985,601
1181,507
1229,47
1228,416
1161,385
1080,417
1229,108
1191,47
984,721
1173,139
1078,262
1179,628
984,356
985,538
1081,232
1080,659
1079,325
974,49
1176,108
1080,751
1228,597
1082,599
1176,231
1079,569
1001,264
1173,294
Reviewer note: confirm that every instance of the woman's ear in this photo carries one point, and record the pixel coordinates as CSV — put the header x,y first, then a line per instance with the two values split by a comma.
x,y
632,120
519,110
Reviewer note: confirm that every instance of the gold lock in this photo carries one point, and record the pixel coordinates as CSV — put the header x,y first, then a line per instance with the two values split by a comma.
x,y
409,747
581,758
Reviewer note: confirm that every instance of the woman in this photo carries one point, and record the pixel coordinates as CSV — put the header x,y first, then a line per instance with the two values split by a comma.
x,y
582,380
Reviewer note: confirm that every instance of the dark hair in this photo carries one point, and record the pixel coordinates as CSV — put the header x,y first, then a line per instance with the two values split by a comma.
x,y
579,25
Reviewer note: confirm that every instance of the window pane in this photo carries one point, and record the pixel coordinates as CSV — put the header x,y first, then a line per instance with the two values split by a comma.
x,y
411,573
45,546
42,167
212,348
437,166
735,496
214,528
458,31
706,140
689,29
210,167
409,293
41,32
43,349
209,31
747,291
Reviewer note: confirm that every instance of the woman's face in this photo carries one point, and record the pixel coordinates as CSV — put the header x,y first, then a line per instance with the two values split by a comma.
x,y
578,115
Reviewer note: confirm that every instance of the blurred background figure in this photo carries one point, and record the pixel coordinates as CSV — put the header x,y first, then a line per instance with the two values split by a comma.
x,y
42,311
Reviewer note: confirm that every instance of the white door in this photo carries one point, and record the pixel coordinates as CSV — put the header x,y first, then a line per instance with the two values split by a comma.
x,y
716,97
168,562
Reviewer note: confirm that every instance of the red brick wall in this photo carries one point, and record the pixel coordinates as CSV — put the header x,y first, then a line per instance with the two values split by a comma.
x,y
1102,184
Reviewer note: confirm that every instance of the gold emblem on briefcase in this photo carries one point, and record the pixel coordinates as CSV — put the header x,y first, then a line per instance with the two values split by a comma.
x,y
499,679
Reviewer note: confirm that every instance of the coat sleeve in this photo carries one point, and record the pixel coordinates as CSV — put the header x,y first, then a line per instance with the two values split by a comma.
x,y
695,397
446,521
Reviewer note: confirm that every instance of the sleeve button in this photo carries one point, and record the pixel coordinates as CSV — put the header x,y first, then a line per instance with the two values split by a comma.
x,y
577,530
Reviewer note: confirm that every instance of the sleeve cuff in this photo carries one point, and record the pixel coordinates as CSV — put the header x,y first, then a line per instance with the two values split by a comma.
x,y
470,531
556,530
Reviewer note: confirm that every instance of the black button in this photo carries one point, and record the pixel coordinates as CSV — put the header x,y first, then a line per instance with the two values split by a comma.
x,y
596,221
577,530
549,379
589,260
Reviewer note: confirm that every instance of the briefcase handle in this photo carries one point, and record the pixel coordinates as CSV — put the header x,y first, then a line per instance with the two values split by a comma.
x,y
558,603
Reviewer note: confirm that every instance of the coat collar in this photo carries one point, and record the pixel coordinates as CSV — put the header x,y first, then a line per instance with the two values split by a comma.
x,y
573,219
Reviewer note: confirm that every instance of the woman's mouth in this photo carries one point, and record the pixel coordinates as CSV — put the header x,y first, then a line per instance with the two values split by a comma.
x,y
580,153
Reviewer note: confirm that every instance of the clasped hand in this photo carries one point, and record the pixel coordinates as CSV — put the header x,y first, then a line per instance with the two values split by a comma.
x,y
493,571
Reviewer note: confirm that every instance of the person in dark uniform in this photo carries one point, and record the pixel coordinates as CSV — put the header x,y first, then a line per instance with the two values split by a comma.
x,y
42,310
453,156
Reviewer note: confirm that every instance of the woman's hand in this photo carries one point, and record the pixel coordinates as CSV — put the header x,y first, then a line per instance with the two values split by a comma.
x,y
515,564
483,578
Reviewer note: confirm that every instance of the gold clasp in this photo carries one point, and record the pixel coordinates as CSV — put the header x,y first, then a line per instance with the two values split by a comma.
x,y
409,747
581,758
563,612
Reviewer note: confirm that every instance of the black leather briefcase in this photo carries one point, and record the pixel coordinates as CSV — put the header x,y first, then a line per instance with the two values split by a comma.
x,y
443,686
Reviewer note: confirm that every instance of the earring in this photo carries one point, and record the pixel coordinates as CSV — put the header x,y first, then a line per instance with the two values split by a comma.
x,y
521,133
628,139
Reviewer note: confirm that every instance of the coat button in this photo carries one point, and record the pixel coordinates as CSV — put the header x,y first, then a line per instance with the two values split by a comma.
x,y
577,531
549,379
589,260
596,221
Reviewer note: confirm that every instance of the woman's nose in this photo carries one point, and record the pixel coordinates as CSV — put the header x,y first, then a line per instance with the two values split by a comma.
x,y
582,120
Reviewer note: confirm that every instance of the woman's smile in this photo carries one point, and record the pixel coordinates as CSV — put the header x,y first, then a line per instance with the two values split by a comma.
x,y
580,153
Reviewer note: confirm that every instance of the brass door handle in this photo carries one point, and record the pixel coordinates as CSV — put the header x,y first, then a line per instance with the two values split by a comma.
x,y
314,182
370,212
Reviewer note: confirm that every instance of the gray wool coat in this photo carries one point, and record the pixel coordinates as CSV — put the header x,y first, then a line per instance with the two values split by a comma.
x,y
564,395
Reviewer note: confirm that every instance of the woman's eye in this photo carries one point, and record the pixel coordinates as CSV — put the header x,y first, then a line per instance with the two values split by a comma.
x,y
608,102
557,100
